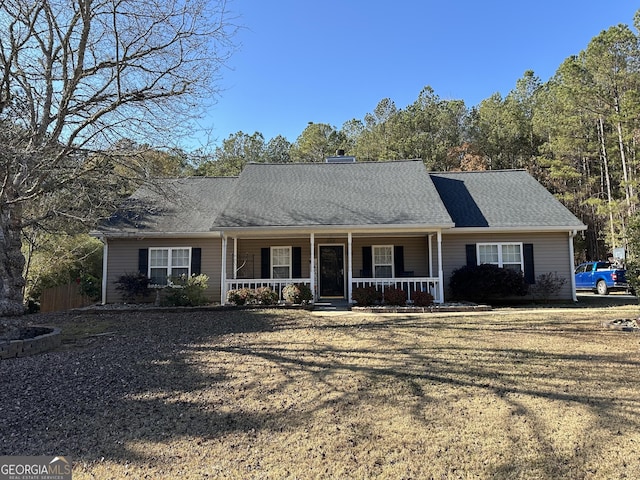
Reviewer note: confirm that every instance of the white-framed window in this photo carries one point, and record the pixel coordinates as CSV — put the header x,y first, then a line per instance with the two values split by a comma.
x,y
165,263
280,262
382,261
505,255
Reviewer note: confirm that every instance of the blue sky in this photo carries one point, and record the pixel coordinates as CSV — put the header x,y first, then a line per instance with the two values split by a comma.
x,y
329,61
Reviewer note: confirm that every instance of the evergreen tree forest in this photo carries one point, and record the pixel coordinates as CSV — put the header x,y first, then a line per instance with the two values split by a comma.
x,y
578,134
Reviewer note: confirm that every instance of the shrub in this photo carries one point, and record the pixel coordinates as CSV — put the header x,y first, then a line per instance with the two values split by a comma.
x,y
547,285
240,296
632,275
422,299
291,293
132,286
486,281
90,286
395,296
265,296
297,293
187,292
366,296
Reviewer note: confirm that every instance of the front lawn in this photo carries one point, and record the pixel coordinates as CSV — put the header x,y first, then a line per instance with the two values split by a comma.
x,y
511,393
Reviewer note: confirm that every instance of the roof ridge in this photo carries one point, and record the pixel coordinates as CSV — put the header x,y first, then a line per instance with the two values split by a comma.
x,y
500,170
368,162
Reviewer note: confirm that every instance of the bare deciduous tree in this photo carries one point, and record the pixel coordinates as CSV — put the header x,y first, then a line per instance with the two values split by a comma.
x,y
75,77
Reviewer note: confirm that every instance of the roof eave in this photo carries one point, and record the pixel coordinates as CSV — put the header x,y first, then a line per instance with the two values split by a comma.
x,y
319,229
138,235
531,229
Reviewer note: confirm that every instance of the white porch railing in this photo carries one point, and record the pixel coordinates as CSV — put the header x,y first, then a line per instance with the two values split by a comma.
x,y
276,284
408,284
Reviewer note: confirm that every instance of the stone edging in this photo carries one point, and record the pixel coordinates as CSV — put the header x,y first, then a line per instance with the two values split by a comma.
x,y
431,309
31,346
622,325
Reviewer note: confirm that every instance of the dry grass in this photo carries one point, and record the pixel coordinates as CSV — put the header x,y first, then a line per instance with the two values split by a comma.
x,y
505,394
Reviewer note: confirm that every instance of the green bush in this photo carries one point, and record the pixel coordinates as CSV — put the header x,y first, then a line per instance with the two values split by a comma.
x,y
187,291
297,293
366,296
249,296
240,296
632,275
266,296
132,286
90,286
486,281
395,296
422,299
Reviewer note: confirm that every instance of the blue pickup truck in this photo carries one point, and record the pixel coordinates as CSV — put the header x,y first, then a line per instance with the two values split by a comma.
x,y
600,277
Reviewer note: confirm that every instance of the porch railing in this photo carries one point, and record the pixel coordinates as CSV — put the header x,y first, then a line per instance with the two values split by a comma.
x,y
276,284
408,284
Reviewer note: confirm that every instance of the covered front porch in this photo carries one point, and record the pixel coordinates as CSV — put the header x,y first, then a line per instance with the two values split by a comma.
x,y
333,264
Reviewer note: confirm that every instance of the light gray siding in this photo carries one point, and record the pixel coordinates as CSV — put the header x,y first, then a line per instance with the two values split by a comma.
x,y
550,253
123,259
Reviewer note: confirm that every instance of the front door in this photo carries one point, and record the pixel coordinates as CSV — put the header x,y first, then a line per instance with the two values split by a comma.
x,y
331,271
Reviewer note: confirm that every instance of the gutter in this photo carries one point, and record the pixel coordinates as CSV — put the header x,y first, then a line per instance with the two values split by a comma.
x,y
518,229
142,235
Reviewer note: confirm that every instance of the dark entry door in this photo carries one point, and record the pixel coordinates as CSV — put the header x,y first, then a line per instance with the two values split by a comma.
x,y
332,271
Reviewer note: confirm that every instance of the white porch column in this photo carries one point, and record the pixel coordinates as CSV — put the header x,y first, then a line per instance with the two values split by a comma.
x,y
349,266
440,272
430,254
235,258
223,272
312,266
572,267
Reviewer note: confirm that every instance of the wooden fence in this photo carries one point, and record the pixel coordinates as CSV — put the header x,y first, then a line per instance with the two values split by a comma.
x,y
63,297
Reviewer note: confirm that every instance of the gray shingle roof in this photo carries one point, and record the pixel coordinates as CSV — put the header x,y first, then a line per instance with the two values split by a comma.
x,y
182,205
323,194
501,199
350,194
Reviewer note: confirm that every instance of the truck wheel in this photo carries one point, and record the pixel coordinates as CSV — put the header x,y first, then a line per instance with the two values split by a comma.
x,y
601,287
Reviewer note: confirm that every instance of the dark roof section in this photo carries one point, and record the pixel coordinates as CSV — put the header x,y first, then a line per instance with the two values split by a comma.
x,y
178,205
501,199
324,194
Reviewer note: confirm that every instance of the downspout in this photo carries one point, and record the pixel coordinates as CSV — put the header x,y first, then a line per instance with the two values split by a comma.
x,y
105,261
574,296
440,272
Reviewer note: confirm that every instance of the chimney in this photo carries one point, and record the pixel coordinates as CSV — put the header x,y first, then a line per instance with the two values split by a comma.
x,y
340,158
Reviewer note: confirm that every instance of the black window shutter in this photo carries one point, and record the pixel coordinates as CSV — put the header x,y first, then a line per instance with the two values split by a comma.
x,y
472,259
367,262
143,261
296,253
265,263
398,260
529,272
196,261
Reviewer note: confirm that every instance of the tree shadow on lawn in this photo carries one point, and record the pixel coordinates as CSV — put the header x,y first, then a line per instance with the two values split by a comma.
x,y
191,376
